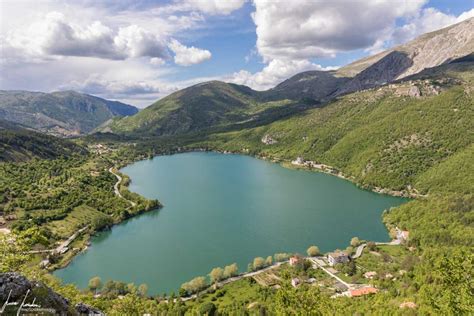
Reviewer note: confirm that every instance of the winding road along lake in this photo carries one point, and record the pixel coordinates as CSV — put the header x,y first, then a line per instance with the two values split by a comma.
x,y
220,209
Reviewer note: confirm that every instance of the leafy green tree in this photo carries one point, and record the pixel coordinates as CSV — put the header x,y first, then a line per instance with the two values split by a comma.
x,y
216,275
231,270
447,287
208,309
313,251
355,242
195,285
131,288
142,290
258,263
371,246
182,292
13,252
279,257
269,261
95,284
290,301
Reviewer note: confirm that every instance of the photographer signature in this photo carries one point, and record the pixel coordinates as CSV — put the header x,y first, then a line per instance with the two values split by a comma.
x,y
23,306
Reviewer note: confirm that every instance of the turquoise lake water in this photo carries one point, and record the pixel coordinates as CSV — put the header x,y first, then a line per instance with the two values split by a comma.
x,y
219,209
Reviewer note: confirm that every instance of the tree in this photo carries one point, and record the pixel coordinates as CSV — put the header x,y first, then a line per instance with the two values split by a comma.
x,y
447,285
269,261
281,256
355,242
195,285
216,275
313,251
207,309
182,292
95,283
131,288
289,301
371,246
231,270
349,268
142,290
258,263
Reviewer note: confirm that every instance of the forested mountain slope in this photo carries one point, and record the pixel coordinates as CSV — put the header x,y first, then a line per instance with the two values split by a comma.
x,y
20,144
63,113
198,108
387,137
215,105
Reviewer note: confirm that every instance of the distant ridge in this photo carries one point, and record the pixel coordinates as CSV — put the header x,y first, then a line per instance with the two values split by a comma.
x,y
20,144
63,113
217,104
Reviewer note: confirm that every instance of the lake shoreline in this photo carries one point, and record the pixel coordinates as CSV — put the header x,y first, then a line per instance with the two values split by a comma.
x,y
284,164
306,165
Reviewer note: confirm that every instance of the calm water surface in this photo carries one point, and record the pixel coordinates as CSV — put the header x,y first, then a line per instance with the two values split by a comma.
x,y
221,209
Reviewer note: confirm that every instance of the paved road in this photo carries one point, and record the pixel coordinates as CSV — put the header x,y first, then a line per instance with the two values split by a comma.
x,y
63,245
316,265
236,278
116,187
66,243
359,251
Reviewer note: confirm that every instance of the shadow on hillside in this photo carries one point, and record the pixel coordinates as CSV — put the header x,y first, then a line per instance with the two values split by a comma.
x,y
382,72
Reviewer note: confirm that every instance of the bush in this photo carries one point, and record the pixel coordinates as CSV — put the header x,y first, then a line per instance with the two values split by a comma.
x,y
208,309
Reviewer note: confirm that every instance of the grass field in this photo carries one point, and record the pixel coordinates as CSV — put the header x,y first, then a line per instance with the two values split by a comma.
x,y
78,218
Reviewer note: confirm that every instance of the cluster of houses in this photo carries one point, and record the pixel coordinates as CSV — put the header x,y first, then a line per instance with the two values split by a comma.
x,y
338,257
268,140
299,161
99,149
334,258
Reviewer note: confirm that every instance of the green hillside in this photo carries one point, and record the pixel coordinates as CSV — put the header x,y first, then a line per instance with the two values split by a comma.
x,y
201,107
414,135
63,113
19,144
381,137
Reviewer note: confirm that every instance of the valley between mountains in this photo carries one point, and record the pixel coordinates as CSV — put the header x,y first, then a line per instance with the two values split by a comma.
x,y
401,121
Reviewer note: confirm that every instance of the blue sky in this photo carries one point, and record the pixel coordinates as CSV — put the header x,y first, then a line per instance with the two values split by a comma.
x,y
139,51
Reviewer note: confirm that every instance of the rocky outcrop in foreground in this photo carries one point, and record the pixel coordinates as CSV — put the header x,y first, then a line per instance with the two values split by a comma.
x,y
32,297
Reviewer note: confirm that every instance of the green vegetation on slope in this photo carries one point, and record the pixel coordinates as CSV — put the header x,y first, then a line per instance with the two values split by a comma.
x,y
202,107
60,196
406,136
61,113
19,144
378,137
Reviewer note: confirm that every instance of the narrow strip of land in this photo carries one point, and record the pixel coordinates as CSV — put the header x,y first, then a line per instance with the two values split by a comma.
x,y
116,187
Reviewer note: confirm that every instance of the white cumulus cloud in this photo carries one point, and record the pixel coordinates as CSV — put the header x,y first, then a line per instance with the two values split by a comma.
x,y
430,19
55,36
186,56
213,7
273,73
302,29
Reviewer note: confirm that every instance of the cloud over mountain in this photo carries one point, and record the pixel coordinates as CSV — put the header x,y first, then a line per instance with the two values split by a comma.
x,y
186,56
307,29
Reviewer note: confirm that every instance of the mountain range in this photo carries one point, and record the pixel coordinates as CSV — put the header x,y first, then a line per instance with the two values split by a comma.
x,y
64,113
217,105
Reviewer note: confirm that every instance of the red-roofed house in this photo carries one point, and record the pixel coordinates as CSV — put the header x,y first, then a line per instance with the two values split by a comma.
x,y
363,291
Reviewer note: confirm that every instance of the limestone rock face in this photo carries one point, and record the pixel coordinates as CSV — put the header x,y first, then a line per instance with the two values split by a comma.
x,y
427,51
16,288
